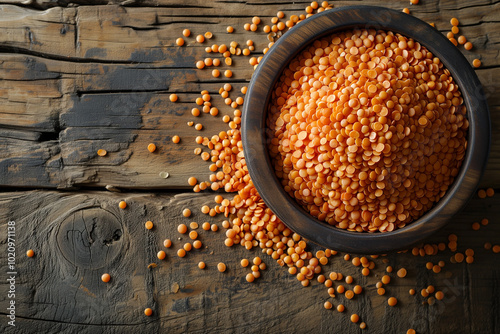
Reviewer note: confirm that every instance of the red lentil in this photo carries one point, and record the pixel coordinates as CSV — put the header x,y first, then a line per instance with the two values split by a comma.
x,y
161,255
179,41
221,267
392,301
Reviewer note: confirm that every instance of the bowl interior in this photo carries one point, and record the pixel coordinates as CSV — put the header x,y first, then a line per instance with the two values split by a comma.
x,y
255,141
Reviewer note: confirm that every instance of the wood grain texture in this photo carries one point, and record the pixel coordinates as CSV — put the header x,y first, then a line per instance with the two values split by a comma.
x,y
79,236
76,79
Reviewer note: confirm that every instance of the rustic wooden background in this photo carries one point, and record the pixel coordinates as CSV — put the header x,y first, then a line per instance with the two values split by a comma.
x,y
77,76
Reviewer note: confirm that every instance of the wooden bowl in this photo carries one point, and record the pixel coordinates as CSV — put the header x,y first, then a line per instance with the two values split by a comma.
x,y
255,140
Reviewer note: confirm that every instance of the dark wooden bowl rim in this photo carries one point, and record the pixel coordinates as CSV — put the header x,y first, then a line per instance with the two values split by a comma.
x,y
254,137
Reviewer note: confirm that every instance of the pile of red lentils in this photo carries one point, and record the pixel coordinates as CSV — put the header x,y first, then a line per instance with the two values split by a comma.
x,y
369,130
369,133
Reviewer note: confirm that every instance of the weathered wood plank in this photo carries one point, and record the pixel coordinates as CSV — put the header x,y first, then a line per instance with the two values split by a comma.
x,y
79,236
128,34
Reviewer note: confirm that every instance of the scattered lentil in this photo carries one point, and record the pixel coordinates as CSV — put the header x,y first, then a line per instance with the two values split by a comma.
x,y
186,213
161,255
221,267
179,41
392,301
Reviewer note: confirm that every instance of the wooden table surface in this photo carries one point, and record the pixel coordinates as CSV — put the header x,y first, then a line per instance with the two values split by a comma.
x,y
78,76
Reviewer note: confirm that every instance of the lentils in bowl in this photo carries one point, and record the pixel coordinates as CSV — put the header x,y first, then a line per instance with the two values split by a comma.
x,y
369,130
342,137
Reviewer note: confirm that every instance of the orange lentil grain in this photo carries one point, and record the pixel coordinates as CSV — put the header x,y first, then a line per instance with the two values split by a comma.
x,y
122,204
30,253
106,277
179,41
149,225
186,213
101,152
148,312
459,257
192,181
182,228
392,301
161,255
221,267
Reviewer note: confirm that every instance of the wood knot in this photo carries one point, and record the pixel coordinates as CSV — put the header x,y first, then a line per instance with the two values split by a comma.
x,y
90,238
